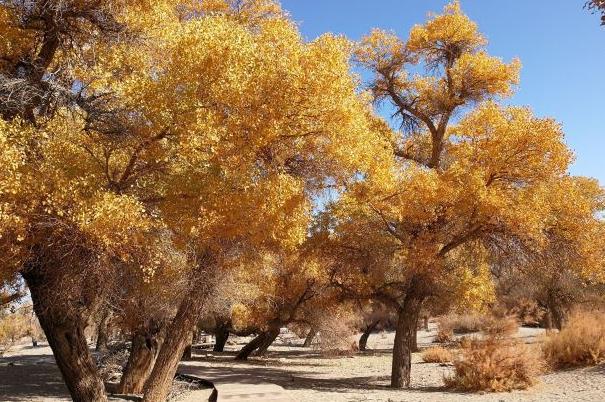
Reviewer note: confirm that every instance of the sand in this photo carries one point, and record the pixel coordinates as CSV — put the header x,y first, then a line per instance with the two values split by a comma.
x,y
29,374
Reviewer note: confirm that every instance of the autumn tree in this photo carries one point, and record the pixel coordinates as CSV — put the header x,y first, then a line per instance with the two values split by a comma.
x,y
289,289
458,188
568,270
200,130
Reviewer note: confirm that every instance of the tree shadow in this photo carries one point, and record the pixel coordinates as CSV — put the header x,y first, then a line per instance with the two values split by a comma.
x,y
28,377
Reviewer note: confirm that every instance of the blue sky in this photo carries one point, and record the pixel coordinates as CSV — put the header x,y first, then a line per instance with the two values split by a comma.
x,y
561,47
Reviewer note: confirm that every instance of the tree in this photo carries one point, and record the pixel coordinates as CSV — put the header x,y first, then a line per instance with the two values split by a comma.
x,y
137,162
568,270
597,6
455,192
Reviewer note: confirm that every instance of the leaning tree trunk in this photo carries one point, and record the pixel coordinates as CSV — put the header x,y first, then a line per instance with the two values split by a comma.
x,y
178,336
102,332
64,332
270,337
221,334
363,340
309,338
143,352
251,346
407,321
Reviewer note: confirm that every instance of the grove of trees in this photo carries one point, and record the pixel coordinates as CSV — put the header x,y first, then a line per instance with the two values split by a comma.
x,y
170,162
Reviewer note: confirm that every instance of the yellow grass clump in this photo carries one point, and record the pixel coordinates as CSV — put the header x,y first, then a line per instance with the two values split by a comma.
x,y
437,354
580,343
495,365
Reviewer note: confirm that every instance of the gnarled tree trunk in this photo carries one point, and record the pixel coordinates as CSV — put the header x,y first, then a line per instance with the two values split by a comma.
x,y
64,332
270,337
178,336
143,352
363,340
251,346
221,334
407,321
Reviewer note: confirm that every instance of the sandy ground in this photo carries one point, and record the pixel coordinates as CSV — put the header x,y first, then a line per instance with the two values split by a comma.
x,y
30,375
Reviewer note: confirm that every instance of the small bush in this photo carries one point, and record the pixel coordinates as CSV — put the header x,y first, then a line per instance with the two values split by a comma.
x,y
500,327
460,323
495,365
437,355
444,335
580,343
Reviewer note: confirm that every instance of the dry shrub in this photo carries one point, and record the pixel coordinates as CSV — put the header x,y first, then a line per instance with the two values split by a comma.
x,y
444,335
460,323
437,355
336,334
580,343
528,312
499,327
495,365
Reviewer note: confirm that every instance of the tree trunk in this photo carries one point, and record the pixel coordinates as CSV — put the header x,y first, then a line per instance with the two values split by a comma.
x,y
270,337
425,324
102,333
251,346
188,352
221,334
363,340
414,344
143,352
557,314
64,332
309,338
178,336
407,321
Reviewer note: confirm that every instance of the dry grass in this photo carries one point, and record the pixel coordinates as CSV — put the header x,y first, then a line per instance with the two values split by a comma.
x,y
580,343
499,327
495,365
437,355
460,323
471,323
444,335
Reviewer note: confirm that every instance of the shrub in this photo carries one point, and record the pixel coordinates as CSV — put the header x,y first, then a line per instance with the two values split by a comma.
x,y
499,327
528,312
444,335
580,343
437,355
495,365
460,323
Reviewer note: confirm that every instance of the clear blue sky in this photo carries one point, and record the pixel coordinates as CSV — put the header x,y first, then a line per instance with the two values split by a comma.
x,y
561,47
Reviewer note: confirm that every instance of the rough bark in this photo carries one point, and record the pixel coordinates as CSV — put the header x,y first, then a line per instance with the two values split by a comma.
x,y
363,340
251,346
221,334
64,332
145,345
310,337
178,336
188,352
407,322
270,337
414,343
